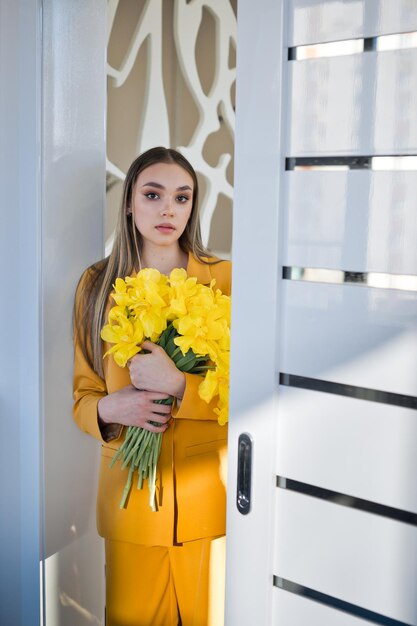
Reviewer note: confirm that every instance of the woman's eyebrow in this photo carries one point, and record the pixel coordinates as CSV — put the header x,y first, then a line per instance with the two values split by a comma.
x,y
151,184
159,186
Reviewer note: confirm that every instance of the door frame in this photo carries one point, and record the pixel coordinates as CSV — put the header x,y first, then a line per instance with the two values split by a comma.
x,y
259,168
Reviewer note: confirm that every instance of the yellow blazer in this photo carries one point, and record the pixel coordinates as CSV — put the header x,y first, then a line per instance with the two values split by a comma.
x,y
191,474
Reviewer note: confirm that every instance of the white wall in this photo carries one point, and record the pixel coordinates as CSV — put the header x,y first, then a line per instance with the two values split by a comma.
x,y
73,113
20,314
52,177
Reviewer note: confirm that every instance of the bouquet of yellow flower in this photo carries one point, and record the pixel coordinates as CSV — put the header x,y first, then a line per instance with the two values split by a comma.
x,y
191,322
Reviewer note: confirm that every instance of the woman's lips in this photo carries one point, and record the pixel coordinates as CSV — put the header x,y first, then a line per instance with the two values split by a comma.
x,y
165,228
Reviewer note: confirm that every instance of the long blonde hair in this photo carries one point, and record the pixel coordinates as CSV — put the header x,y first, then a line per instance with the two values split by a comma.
x,y
97,281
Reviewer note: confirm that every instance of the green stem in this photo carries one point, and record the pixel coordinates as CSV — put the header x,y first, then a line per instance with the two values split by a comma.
x,y
202,368
132,441
154,461
133,449
140,480
185,360
175,353
120,451
127,488
141,448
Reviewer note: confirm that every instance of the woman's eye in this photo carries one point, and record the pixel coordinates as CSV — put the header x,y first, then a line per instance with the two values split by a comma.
x,y
151,195
182,199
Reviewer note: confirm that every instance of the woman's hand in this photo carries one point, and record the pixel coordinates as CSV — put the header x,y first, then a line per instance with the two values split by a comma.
x,y
156,371
132,407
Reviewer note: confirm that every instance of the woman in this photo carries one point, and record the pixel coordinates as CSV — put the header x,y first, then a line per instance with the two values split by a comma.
x,y
166,567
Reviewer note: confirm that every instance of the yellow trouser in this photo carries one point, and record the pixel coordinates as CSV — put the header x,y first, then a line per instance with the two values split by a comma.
x,y
156,586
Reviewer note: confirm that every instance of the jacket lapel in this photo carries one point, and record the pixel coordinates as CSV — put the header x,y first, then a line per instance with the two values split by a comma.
x,y
198,269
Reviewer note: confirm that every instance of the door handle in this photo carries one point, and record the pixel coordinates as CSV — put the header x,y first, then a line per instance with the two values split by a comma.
x,y
244,473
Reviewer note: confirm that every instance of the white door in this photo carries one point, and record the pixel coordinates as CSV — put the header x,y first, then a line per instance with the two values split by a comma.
x,y
324,345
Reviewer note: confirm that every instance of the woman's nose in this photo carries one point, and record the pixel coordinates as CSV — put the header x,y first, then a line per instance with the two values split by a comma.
x,y
168,208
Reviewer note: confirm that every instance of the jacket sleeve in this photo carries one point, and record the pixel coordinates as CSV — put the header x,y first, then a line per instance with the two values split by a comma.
x,y
192,407
88,388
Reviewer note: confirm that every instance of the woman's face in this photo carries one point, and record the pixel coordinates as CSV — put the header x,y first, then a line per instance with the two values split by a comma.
x,y
162,203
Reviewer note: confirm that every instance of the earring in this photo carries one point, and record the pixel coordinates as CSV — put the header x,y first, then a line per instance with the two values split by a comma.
x,y
129,214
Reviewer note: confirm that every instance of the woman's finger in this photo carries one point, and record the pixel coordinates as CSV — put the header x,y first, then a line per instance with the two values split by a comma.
x,y
155,395
148,345
161,419
155,429
162,409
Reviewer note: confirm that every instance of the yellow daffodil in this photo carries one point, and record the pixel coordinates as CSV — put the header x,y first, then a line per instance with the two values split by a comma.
x,y
127,335
223,413
147,303
209,387
183,290
174,311
216,382
204,327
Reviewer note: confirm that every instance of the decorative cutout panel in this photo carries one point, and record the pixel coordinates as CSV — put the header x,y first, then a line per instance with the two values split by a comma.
x,y
160,57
